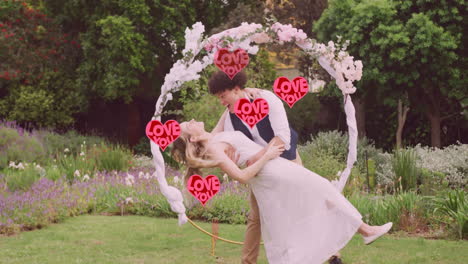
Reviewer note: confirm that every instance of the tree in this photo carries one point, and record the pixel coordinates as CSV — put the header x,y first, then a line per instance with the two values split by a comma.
x,y
36,58
300,13
407,47
128,47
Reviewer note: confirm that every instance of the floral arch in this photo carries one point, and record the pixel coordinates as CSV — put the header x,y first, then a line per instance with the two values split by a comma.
x,y
199,52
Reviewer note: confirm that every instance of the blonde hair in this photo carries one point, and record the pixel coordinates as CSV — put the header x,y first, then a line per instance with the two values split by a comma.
x,y
192,154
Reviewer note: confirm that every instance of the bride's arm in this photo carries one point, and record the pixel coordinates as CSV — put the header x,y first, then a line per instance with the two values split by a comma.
x,y
244,175
258,155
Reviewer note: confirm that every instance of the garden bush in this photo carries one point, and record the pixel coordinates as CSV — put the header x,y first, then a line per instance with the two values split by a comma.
x,y
18,145
406,210
56,144
23,177
454,205
334,144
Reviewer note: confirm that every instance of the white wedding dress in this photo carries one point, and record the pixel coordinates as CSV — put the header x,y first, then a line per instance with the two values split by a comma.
x,y
304,219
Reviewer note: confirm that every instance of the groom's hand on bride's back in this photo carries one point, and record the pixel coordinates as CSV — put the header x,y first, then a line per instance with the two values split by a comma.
x,y
274,151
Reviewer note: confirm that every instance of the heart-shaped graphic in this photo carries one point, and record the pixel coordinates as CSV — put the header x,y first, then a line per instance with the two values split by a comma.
x,y
163,135
231,63
291,92
203,188
251,112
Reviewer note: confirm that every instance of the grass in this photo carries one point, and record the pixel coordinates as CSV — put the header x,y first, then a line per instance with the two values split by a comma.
x,y
138,239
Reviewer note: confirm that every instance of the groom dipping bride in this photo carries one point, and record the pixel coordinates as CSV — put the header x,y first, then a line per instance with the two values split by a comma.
x,y
303,218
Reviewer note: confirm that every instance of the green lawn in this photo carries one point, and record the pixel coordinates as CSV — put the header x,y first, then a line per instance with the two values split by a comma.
x,y
137,239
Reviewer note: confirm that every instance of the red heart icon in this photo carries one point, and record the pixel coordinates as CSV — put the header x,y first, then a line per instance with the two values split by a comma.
x,y
163,135
291,92
231,63
253,112
203,188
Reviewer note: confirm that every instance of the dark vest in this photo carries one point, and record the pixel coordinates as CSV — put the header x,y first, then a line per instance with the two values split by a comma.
x,y
266,132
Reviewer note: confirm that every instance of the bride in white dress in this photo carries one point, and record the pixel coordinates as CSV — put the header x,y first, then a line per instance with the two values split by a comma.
x,y
304,219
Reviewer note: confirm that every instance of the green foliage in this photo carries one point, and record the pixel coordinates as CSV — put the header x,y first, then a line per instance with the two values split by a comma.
x,y
56,144
454,205
21,179
432,182
303,116
128,46
143,147
371,171
111,158
408,48
228,208
334,144
29,105
406,169
324,166
260,71
52,102
19,147
74,166
392,208
117,48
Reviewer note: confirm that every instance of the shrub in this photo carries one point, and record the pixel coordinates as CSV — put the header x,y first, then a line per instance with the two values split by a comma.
x,y
230,205
18,145
325,166
384,171
55,144
451,161
111,158
75,166
22,179
335,144
454,205
405,210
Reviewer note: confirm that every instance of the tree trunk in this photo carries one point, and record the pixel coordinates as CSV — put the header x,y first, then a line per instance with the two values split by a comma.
x,y
359,105
402,113
434,115
435,129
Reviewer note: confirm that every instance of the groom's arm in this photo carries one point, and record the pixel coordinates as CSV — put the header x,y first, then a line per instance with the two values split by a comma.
x,y
279,124
278,119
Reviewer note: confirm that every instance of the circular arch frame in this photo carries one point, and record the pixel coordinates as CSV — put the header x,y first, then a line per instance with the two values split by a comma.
x,y
199,52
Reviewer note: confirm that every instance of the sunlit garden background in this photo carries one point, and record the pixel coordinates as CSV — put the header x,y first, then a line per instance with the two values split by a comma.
x,y
79,80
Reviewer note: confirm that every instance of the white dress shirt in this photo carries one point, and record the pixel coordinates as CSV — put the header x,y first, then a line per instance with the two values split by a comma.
x,y
278,119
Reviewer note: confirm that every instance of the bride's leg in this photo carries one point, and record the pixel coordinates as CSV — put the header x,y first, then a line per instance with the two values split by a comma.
x,y
371,233
366,230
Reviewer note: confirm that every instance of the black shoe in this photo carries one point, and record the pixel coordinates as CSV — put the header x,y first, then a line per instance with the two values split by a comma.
x,y
335,260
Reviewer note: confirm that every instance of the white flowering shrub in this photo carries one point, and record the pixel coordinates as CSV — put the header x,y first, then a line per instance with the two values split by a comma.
x,y
384,170
451,161
449,164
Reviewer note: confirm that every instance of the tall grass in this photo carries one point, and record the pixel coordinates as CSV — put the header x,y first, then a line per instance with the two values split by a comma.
x,y
454,205
406,170
404,209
